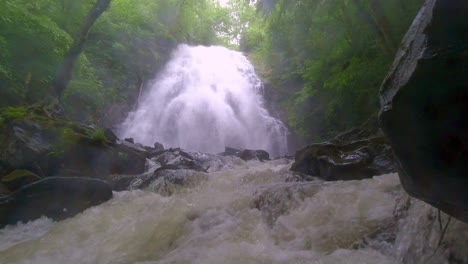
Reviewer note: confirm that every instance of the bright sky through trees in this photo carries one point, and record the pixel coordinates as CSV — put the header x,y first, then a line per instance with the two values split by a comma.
x,y
223,2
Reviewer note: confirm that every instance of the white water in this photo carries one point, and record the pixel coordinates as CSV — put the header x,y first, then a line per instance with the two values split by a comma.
x,y
205,99
242,213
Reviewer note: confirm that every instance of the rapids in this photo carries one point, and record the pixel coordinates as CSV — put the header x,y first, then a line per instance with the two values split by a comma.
x,y
243,212
206,99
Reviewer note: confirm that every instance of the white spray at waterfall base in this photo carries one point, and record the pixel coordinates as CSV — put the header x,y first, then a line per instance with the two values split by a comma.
x,y
205,99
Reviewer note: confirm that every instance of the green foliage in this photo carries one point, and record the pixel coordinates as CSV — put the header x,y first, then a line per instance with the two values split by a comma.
x,y
32,45
338,51
326,57
99,136
126,46
12,113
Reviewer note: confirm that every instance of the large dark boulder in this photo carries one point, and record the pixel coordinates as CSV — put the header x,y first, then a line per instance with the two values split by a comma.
x,y
247,154
50,146
55,197
19,178
172,160
356,154
424,107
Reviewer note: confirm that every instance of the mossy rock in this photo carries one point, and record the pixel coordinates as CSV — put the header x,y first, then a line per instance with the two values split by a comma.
x,y
19,178
357,154
54,146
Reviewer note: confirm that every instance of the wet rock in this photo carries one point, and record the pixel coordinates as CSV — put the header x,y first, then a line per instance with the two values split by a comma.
x,y
356,154
19,178
97,160
247,154
426,235
171,160
278,199
164,180
50,146
131,182
169,182
424,107
55,197
136,147
158,147
129,140
111,137
178,159
4,190
24,145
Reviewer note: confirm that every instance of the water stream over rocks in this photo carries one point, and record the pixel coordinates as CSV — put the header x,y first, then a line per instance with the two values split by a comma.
x,y
237,212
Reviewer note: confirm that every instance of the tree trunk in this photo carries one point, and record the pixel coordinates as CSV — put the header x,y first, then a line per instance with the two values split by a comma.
x,y
64,73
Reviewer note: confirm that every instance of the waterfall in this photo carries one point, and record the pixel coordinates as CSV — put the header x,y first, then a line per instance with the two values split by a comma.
x,y
206,99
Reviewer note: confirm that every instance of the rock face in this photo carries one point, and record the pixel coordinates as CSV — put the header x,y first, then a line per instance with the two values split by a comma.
x,y
19,178
55,147
55,197
424,107
357,154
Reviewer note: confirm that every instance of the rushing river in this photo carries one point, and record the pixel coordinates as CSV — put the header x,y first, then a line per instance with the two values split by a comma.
x,y
241,212
245,212
206,99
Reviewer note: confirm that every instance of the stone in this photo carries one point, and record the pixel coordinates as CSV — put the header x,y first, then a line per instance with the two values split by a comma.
x,y
359,153
130,140
110,135
158,146
19,178
55,197
246,154
424,108
50,146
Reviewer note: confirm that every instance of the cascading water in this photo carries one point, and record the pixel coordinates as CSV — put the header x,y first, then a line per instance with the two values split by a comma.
x,y
241,212
207,98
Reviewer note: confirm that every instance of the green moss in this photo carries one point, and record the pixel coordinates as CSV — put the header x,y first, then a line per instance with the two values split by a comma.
x,y
66,139
99,136
14,113
17,174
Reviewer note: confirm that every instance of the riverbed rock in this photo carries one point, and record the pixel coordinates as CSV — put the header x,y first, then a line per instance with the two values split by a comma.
x,y
54,197
247,154
158,147
424,108
50,146
356,154
279,199
19,178
171,160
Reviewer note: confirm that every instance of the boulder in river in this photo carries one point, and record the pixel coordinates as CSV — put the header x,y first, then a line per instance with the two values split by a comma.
x,y
356,154
424,109
247,154
53,146
19,178
54,197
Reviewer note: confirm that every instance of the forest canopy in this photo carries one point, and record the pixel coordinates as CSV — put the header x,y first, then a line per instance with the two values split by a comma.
x,y
323,60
